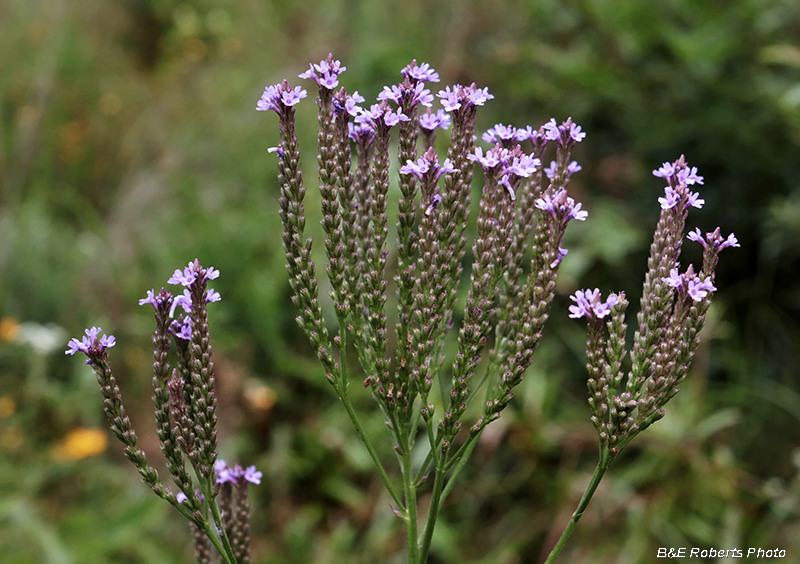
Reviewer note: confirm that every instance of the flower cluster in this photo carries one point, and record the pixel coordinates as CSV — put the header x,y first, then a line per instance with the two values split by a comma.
x,y
673,307
90,345
589,304
185,413
522,214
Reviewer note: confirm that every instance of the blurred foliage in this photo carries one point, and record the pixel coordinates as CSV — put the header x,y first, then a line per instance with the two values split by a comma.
x,y
129,145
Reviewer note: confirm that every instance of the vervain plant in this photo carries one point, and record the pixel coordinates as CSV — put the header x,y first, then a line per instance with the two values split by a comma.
x,y
507,305
185,410
523,213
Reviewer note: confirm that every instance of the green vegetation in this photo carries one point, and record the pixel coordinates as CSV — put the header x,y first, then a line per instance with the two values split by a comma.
x,y
129,145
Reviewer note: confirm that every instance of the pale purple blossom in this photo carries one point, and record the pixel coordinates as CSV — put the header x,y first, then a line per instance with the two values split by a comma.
x,y
361,132
279,96
588,304
437,199
150,299
416,94
381,113
550,171
184,301
561,254
673,196
572,168
491,160
421,73
250,474
670,200
713,239
559,205
689,177
326,73
463,96
566,133
699,289
523,165
665,171
348,102
91,344
182,328
501,133
431,121
226,474
427,166
674,280
188,275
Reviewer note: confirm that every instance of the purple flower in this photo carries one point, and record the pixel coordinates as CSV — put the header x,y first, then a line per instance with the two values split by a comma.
x,y
182,328
381,113
224,474
566,133
588,304
561,254
463,96
675,280
150,299
181,497
492,159
673,196
427,166
666,170
699,289
280,96
561,205
573,167
251,475
325,73
437,199
670,200
550,171
416,94
694,200
713,239
184,301
501,133
431,121
90,344
362,132
689,177
523,165
189,274
421,73
351,103
212,296
478,96
678,173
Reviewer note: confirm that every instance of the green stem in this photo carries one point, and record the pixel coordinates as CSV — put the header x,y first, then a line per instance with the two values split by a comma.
x,y
227,549
464,452
367,443
433,513
410,514
587,496
215,540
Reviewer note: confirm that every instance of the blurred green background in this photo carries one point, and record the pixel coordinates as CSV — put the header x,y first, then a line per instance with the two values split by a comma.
x,y
129,145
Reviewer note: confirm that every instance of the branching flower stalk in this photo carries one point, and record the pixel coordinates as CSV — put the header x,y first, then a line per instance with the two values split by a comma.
x,y
523,214
185,412
671,315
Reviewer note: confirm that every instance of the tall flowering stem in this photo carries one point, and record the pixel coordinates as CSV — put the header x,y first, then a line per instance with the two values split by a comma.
x,y
672,313
400,349
185,412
